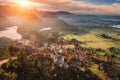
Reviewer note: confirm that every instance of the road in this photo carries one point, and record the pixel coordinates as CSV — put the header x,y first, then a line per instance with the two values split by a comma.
x,y
6,60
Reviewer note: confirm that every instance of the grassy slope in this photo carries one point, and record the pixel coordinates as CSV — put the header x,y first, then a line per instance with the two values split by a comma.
x,y
94,69
92,40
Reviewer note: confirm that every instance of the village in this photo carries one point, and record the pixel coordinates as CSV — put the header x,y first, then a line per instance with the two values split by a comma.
x,y
62,56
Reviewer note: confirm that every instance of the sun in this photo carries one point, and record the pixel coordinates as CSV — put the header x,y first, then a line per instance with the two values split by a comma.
x,y
23,3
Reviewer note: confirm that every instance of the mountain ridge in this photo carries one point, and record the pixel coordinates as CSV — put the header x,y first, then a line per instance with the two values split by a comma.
x,y
30,21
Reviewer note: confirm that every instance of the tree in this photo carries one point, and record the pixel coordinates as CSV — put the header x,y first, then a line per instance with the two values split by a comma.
x,y
28,67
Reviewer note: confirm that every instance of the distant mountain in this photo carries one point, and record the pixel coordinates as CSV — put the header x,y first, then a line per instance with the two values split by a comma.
x,y
52,13
59,13
31,21
16,10
5,22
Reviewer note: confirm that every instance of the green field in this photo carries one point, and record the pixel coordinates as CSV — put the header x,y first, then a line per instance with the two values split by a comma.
x,y
94,69
91,39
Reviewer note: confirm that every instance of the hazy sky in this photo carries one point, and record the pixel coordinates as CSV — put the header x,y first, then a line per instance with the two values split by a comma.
x,y
81,6
101,1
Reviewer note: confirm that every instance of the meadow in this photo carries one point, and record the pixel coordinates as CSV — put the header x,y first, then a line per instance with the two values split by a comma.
x,y
101,40
94,40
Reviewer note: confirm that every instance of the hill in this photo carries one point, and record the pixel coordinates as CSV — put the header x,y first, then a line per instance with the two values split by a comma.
x,y
31,21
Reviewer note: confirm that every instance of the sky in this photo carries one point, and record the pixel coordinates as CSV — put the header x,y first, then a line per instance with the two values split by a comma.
x,y
101,1
101,7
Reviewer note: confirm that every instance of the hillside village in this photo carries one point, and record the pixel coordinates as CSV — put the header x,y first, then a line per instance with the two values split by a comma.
x,y
64,56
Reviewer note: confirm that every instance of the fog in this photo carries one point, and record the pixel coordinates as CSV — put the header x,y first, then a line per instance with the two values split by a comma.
x,y
11,33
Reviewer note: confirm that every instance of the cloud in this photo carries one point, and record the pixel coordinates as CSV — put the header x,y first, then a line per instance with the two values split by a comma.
x,y
118,0
116,4
79,6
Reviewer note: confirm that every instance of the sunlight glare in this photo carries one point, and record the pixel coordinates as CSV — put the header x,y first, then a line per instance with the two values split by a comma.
x,y
23,3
